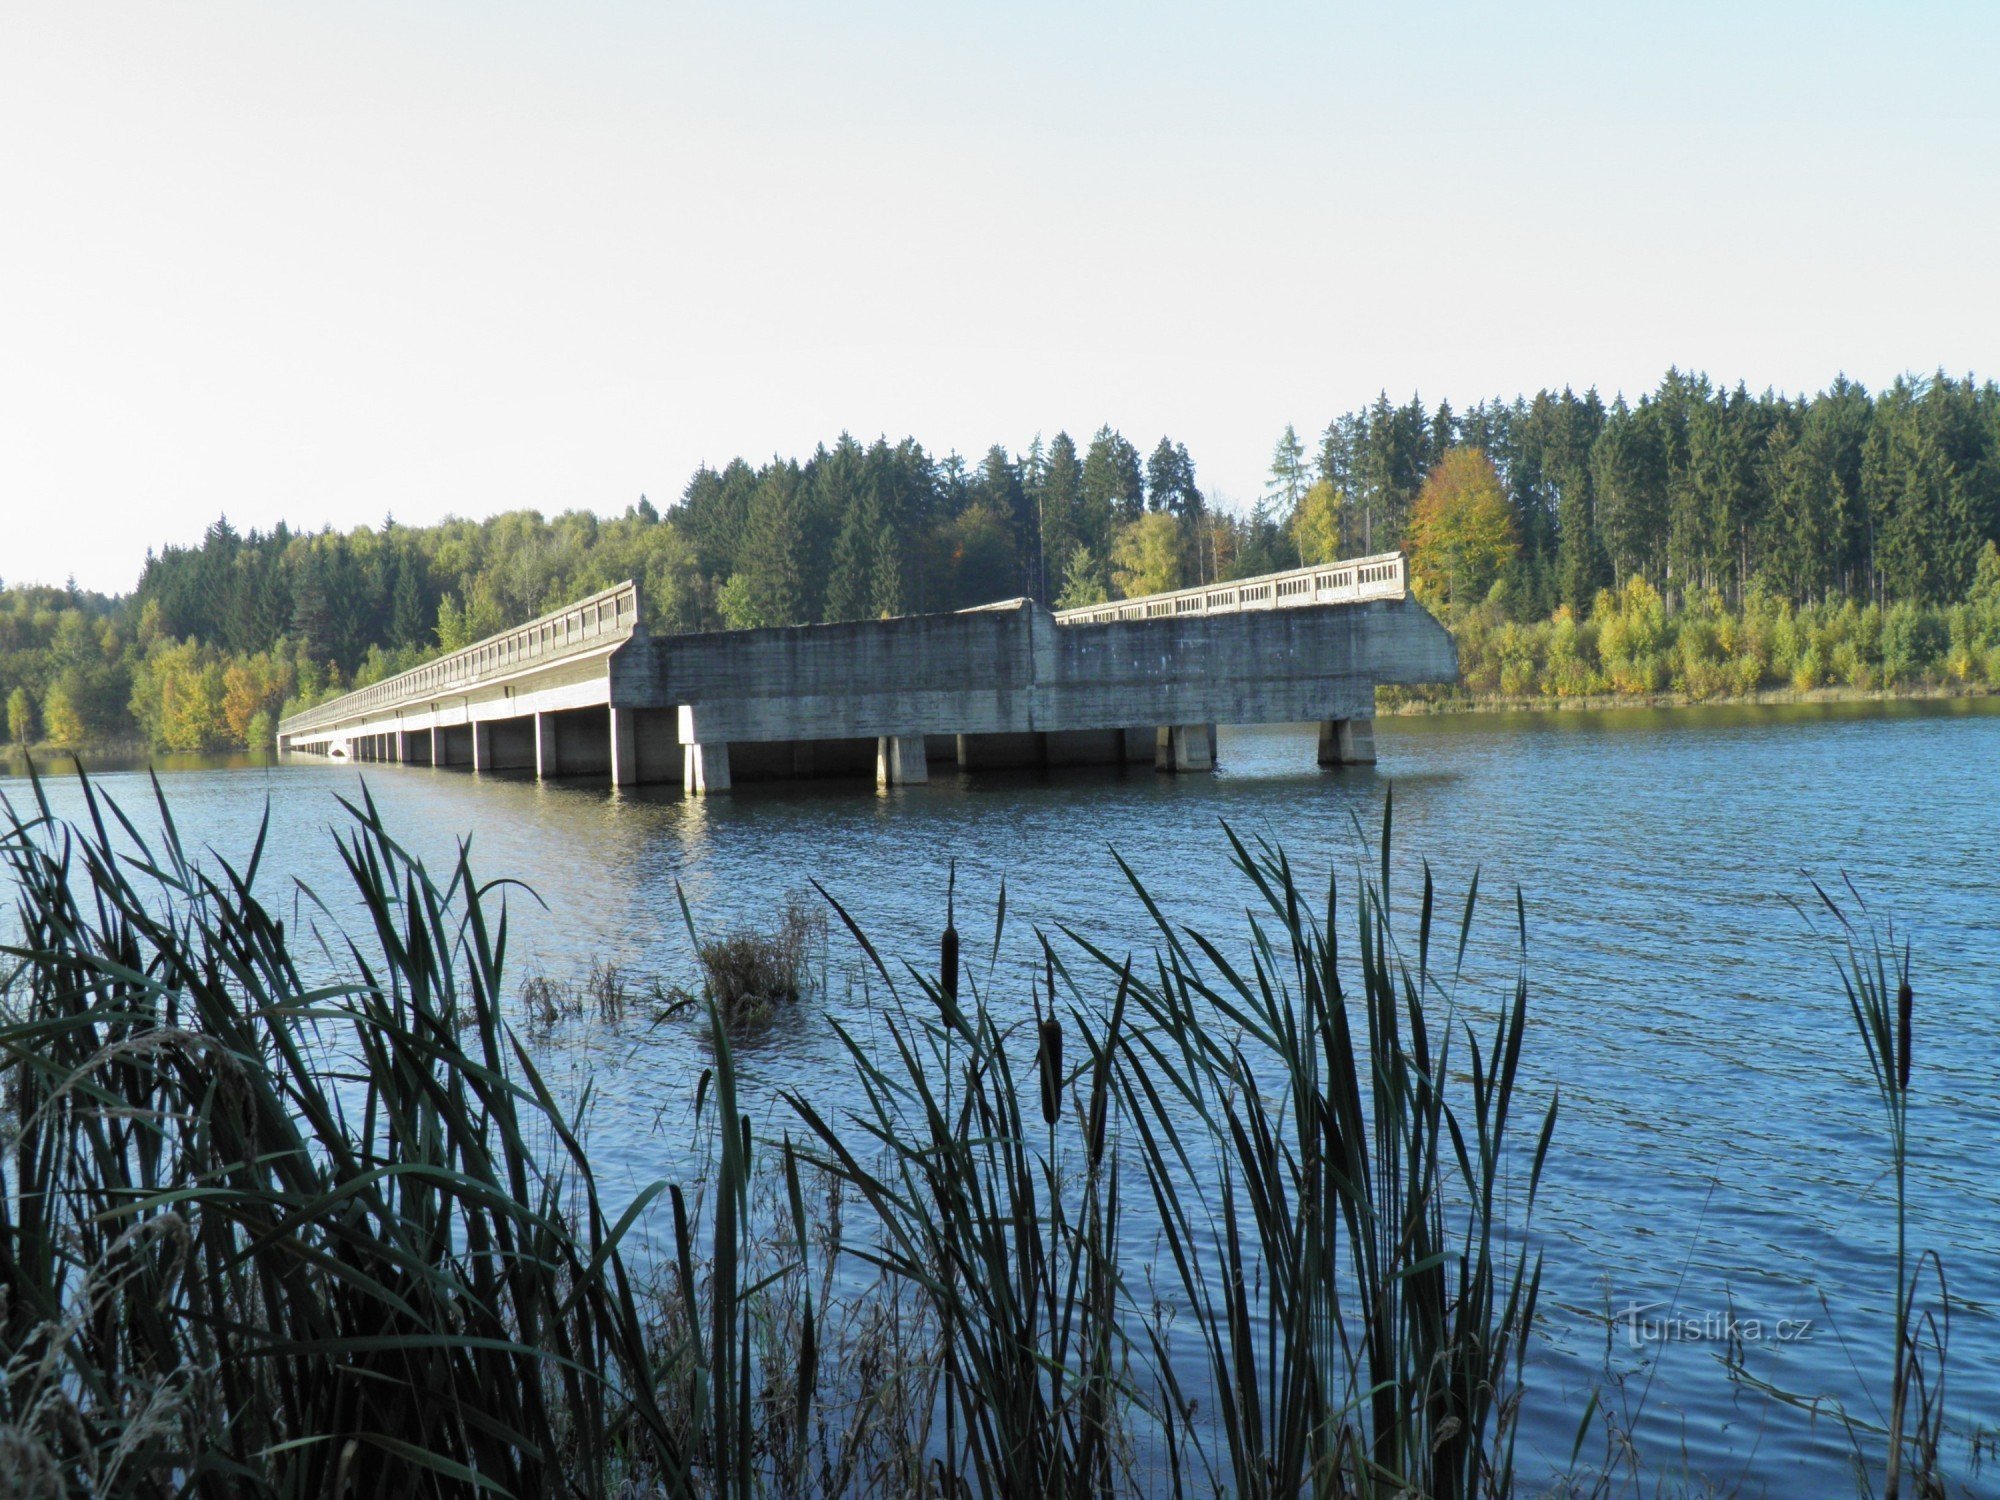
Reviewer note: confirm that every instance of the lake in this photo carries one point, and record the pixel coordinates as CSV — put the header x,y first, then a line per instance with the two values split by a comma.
x,y
1720,1154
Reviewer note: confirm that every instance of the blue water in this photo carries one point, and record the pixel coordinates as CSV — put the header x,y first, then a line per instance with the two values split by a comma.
x,y
1720,1152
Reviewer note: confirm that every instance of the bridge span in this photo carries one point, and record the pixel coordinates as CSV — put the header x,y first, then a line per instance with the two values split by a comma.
x,y
587,691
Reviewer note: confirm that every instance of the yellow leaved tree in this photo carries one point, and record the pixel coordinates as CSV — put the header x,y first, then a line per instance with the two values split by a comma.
x,y
1462,532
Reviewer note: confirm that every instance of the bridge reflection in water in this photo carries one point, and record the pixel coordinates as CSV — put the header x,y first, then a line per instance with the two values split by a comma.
x,y
588,691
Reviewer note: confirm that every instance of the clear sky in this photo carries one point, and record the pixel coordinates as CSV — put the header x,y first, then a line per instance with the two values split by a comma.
x,y
327,262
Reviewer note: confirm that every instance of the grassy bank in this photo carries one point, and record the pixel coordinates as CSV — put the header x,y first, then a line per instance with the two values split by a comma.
x,y
266,1231
1395,702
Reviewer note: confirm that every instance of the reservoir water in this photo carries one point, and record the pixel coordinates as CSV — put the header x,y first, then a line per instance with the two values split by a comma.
x,y
1717,1216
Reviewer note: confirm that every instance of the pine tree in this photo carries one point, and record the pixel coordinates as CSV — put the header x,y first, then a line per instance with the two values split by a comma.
x,y
774,548
1289,477
1061,500
1113,491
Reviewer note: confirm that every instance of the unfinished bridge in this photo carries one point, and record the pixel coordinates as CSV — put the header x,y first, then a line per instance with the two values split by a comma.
x,y
587,691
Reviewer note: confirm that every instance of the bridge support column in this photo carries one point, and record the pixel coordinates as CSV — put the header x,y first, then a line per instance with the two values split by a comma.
x,y
1347,742
482,747
437,746
900,760
548,758
1185,747
704,769
624,747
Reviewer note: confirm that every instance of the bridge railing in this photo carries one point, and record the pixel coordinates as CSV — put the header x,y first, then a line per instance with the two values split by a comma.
x,y
1345,582
589,624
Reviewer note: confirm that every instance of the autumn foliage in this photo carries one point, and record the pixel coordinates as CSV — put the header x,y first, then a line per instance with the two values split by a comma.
x,y
1462,530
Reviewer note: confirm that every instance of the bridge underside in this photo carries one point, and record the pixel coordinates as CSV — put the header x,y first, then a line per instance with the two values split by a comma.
x,y
888,699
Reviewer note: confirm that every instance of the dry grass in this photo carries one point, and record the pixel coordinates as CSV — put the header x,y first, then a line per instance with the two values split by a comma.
x,y
752,973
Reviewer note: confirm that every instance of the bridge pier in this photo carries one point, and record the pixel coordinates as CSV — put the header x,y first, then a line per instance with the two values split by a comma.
x,y
901,760
548,754
1347,742
624,746
1185,747
704,769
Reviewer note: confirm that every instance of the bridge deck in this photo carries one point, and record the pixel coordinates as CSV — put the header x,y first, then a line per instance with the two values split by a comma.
x,y
586,690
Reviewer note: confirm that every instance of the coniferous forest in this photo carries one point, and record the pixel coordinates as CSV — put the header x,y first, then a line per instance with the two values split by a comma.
x,y
1698,541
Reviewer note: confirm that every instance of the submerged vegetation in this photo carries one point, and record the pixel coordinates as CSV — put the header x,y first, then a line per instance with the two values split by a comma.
x,y
287,1209
750,973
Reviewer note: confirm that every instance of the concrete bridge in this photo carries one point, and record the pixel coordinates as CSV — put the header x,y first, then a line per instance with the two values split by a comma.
x,y
587,691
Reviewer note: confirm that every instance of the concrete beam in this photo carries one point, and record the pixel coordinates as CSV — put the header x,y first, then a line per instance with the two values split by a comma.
x,y
1015,671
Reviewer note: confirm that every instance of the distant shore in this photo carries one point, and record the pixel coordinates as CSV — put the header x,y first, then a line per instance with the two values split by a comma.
x,y
127,753
1598,702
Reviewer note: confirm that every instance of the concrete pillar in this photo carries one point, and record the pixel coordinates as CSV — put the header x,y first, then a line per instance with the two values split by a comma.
x,y
624,747
704,769
482,747
437,746
1185,747
548,759
900,760
1347,742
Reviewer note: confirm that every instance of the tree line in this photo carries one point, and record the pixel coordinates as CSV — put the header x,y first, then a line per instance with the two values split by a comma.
x,y
1517,516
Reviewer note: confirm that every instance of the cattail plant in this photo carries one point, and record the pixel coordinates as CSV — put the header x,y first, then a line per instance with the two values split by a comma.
x,y
1364,1325
1875,973
262,1233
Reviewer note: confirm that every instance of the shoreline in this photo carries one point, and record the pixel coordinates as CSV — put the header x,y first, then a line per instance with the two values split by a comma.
x,y
1600,702
122,753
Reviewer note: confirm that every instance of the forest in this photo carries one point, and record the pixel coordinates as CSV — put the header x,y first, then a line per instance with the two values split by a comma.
x,y
1700,541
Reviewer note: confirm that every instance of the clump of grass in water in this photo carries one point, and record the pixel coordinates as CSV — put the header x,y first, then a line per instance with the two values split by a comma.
x,y
752,972
604,992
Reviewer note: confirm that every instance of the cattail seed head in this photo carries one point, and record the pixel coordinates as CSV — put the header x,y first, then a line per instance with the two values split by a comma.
x,y
1048,1061
948,957
1904,1004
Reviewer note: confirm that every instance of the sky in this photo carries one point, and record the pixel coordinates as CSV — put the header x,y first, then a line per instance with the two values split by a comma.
x,y
331,263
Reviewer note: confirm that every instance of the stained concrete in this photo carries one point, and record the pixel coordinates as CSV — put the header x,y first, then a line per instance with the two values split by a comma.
x,y
1004,686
